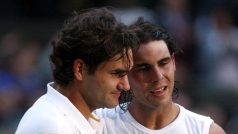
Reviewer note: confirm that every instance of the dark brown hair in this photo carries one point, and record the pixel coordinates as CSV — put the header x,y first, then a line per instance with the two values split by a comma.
x,y
92,35
147,32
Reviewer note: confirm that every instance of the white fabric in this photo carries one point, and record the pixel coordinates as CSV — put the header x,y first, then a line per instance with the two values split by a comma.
x,y
53,113
96,123
187,122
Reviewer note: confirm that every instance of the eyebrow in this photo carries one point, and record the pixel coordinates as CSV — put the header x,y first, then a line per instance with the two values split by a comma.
x,y
119,71
146,64
166,58
140,65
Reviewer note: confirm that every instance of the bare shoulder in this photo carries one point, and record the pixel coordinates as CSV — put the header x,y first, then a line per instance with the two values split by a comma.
x,y
216,129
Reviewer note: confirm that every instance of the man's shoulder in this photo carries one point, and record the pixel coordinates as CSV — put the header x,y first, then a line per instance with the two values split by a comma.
x,y
42,108
35,122
40,115
193,115
197,123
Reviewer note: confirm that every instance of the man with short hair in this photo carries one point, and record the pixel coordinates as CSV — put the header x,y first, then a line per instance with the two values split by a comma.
x,y
90,61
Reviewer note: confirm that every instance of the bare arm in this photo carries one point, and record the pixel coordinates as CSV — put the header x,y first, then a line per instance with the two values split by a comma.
x,y
216,129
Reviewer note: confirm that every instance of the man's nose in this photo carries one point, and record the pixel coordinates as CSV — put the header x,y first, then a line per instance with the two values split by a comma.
x,y
124,84
156,75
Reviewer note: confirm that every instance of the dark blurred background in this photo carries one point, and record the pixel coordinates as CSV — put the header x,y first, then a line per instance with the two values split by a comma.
x,y
206,30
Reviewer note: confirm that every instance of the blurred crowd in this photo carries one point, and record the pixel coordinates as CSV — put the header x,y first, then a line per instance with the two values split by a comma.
x,y
207,70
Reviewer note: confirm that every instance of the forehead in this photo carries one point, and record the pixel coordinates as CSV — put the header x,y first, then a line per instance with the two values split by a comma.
x,y
119,61
151,51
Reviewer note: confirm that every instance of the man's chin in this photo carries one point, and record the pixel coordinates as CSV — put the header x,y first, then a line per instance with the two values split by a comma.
x,y
112,105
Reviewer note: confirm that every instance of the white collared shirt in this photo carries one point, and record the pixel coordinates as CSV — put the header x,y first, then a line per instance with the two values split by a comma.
x,y
53,113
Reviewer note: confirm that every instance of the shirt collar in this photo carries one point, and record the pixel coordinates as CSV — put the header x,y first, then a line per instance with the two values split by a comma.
x,y
64,104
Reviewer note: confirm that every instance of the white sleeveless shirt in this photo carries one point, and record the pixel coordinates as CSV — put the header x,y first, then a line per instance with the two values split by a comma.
x,y
119,122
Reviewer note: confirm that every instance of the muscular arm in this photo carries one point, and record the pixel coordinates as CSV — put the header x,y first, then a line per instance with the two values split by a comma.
x,y
216,129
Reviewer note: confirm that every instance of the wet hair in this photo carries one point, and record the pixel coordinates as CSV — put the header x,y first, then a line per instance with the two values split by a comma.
x,y
92,35
146,32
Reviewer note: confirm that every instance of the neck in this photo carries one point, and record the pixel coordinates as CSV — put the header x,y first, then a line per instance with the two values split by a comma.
x,y
75,97
154,118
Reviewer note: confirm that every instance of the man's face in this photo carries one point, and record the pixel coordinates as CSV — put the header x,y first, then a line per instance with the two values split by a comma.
x,y
103,88
152,77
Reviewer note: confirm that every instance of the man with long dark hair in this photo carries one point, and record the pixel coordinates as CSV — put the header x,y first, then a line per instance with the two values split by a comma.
x,y
148,108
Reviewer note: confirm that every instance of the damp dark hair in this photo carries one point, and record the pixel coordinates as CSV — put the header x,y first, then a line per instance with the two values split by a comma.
x,y
146,32
92,35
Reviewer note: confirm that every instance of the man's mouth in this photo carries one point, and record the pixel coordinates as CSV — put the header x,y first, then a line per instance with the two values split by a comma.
x,y
116,94
159,91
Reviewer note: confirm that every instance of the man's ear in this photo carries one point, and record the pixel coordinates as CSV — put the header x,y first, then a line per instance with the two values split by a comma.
x,y
78,67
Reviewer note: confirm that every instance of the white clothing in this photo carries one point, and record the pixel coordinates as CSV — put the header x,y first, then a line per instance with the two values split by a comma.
x,y
119,122
53,113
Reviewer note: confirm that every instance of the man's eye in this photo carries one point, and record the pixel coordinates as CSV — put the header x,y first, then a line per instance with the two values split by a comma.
x,y
164,62
141,68
119,74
